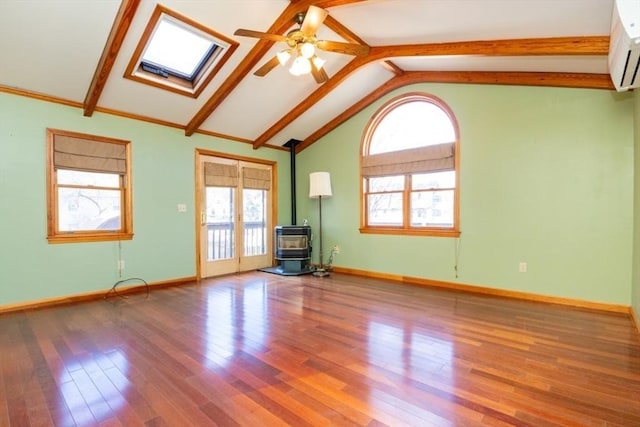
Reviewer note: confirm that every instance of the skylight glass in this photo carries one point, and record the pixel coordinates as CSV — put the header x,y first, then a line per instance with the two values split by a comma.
x,y
178,49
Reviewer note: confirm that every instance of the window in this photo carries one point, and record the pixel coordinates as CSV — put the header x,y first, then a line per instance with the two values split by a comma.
x,y
166,53
178,54
88,188
409,168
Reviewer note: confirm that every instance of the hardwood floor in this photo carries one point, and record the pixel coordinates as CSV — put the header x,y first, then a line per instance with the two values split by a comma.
x,y
264,350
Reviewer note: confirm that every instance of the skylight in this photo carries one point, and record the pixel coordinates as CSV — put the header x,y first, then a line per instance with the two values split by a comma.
x,y
178,54
178,49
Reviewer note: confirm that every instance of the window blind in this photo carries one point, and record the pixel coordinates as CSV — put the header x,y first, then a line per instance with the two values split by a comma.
x,y
432,158
259,179
220,175
87,155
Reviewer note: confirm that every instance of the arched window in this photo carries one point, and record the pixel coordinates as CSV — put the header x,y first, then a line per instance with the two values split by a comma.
x,y
410,167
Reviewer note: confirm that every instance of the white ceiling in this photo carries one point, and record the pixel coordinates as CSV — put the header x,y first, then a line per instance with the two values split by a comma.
x,y
53,48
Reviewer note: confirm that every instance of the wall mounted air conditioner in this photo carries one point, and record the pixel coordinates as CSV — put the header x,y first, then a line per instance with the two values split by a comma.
x,y
624,45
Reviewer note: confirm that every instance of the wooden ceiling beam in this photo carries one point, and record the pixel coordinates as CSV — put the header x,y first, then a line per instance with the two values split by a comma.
x,y
570,46
119,29
594,45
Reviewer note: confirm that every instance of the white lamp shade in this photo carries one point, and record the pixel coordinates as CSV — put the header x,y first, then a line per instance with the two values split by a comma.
x,y
319,184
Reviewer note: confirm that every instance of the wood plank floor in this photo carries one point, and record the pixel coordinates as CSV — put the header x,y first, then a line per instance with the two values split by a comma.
x,y
263,350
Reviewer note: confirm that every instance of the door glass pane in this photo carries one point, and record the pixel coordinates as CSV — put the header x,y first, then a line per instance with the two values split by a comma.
x,y
254,221
220,214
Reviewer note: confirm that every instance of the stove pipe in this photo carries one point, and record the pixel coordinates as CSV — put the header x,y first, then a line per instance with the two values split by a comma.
x,y
291,144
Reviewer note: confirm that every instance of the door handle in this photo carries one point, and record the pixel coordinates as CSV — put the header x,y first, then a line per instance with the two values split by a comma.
x,y
203,218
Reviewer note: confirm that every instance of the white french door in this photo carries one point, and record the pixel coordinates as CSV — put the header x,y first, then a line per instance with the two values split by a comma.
x,y
235,224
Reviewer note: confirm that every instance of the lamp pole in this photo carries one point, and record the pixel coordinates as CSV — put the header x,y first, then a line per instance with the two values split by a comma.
x,y
320,229
320,187
320,271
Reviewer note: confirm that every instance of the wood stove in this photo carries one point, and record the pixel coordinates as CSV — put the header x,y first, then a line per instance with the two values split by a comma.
x,y
292,243
293,249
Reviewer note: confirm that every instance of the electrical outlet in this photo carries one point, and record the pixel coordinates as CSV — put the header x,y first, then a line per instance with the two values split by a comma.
x,y
336,249
522,267
121,264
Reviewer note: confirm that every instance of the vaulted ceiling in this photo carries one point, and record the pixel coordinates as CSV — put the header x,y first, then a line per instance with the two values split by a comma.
x,y
76,53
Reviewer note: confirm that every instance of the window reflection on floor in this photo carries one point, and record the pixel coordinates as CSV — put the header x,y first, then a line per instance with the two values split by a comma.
x,y
99,382
220,326
404,351
255,328
408,351
236,319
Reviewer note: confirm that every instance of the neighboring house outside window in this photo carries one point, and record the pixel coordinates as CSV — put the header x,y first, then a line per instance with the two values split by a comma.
x,y
88,188
410,168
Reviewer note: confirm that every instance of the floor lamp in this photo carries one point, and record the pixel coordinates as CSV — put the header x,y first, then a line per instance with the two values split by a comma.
x,y
319,187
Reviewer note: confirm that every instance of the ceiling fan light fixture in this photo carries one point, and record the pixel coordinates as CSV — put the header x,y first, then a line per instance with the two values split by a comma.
x,y
302,44
283,56
307,50
300,66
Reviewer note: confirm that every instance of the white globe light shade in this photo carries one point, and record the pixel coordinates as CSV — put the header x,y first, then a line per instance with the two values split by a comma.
x,y
283,56
307,50
300,66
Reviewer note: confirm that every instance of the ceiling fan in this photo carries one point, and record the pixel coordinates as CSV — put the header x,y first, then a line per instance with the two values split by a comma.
x,y
302,44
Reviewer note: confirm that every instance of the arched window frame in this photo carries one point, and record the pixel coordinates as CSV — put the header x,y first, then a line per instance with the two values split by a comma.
x,y
406,228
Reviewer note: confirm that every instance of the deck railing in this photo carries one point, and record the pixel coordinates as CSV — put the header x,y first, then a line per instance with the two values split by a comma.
x,y
220,238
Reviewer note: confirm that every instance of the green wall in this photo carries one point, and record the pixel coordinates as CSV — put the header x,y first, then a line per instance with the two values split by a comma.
x,y
635,296
546,178
163,247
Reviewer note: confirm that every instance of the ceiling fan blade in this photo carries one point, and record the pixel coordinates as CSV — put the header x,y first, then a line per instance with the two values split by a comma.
x,y
312,20
319,74
268,66
346,48
260,35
